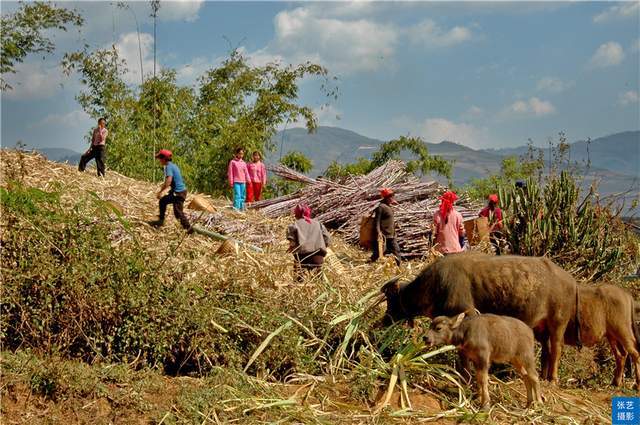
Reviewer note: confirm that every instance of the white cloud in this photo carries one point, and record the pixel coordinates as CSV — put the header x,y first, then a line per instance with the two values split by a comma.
x,y
35,80
346,38
619,11
553,85
608,54
474,111
628,98
76,118
436,130
343,45
129,50
179,10
533,106
440,129
428,33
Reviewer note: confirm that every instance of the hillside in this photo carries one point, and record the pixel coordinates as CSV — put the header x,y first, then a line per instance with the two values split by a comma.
x,y
618,152
107,320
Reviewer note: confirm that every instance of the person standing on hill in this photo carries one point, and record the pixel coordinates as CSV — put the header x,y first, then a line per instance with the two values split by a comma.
x,y
238,176
258,175
493,213
447,225
96,150
308,241
177,193
385,227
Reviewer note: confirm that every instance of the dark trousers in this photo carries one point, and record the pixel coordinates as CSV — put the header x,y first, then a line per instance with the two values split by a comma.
x,y
97,153
494,239
309,262
177,199
390,247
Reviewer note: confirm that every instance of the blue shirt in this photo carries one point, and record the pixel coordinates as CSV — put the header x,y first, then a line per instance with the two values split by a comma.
x,y
177,184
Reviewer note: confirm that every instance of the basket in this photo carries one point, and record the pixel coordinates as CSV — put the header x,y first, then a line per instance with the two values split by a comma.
x,y
367,232
228,247
477,230
200,203
332,260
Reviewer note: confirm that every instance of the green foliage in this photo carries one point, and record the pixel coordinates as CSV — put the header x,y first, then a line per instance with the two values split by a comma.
x,y
235,105
423,164
512,169
71,292
552,220
26,31
297,161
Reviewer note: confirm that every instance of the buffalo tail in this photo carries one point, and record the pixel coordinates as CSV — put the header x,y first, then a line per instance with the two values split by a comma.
x,y
634,324
577,319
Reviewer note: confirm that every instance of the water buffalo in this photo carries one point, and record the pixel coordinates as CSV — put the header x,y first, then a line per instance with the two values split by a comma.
x,y
485,339
609,311
532,289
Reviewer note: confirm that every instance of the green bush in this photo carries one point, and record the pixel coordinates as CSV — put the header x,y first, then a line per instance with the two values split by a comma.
x,y
67,290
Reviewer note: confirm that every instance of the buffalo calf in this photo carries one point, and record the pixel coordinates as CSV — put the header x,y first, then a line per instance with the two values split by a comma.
x,y
486,339
609,311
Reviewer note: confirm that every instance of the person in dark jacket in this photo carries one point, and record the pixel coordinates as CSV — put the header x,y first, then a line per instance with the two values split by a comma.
x,y
385,227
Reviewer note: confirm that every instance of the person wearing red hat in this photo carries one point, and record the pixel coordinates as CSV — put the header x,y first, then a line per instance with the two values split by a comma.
x,y
385,226
447,225
493,213
177,193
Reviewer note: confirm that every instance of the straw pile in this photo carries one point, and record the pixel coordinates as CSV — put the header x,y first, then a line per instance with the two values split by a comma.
x,y
341,205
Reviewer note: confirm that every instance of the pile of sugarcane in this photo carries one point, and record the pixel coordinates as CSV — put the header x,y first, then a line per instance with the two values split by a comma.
x,y
340,205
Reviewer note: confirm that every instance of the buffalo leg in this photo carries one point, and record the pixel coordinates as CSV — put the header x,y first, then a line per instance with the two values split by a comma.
x,y
555,351
629,344
542,336
620,357
482,377
464,368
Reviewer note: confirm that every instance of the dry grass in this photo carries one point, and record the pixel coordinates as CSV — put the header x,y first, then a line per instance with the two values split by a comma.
x,y
410,386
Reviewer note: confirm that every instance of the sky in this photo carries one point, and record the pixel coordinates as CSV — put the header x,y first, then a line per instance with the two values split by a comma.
x,y
486,75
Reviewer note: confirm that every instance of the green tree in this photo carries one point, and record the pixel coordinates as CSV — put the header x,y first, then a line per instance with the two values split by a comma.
x,y
235,105
25,32
297,161
512,169
422,164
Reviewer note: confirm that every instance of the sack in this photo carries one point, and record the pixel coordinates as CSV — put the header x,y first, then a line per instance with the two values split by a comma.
x,y
367,232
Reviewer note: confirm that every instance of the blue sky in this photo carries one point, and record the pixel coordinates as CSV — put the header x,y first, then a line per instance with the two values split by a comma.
x,y
486,75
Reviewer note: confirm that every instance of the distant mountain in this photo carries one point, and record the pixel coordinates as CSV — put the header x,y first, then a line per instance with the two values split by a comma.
x,y
618,152
615,161
60,155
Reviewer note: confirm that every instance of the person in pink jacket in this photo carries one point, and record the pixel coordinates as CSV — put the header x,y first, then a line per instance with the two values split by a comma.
x,y
258,174
238,176
447,225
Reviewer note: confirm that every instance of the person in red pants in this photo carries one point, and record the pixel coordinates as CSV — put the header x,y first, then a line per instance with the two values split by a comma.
x,y
258,175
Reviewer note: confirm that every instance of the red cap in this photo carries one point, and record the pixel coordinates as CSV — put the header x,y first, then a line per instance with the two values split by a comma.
x,y
493,198
164,153
386,193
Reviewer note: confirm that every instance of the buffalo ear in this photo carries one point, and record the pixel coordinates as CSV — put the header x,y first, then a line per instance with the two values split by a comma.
x,y
391,287
459,319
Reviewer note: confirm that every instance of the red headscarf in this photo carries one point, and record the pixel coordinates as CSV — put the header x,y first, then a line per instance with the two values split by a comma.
x,y
493,198
303,211
446,205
